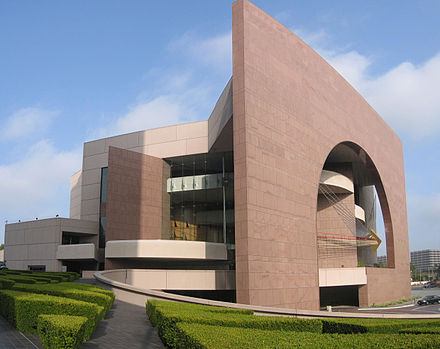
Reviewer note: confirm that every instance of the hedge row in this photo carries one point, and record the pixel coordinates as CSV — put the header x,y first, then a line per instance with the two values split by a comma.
x,y
421,330
63,290
56,276
22,310
384,326
6,283
183,325
198,336
19,279
185,307
60,331
165,315
91,288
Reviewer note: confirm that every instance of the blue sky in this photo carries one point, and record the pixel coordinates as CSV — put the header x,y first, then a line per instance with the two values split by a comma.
x,y
76,71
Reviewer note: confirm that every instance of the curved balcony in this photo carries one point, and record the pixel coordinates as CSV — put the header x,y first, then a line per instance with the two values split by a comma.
x,y
166,249
359,213
338,183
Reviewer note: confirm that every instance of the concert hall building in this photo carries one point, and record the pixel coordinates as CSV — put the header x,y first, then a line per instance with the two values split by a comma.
x,y
270,201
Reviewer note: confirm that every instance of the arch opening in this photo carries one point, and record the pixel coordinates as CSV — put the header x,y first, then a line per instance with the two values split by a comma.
x,y
351,203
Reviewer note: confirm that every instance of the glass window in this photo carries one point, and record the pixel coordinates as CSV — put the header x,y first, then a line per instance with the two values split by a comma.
x,y
102,232
104,172
202,203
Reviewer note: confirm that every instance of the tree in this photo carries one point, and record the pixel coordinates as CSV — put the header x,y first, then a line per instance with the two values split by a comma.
x,y
2,246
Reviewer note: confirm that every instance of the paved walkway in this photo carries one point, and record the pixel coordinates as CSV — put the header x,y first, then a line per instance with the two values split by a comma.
x,y
10,338
125,326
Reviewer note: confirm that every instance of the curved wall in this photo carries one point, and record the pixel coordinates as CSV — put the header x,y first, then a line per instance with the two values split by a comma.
x,y
291,108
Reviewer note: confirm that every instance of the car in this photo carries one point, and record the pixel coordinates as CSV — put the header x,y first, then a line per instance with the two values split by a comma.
x,y
3,266
429,300
430,284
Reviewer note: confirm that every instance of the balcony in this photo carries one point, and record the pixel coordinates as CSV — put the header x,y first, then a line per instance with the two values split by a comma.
x,y
359,213
338,183
77,252
166,249
201,182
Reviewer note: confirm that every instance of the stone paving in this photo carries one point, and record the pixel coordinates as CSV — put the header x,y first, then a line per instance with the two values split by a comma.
x,y
10,338
125,326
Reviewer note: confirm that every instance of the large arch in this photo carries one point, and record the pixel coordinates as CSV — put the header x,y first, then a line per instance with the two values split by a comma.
x,y
365,171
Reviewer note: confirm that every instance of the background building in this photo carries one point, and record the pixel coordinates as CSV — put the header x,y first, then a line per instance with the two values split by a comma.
x,y
425,261
382,260
271,201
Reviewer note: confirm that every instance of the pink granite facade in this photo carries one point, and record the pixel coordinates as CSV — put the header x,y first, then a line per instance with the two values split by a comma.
x,y
134,196
291,108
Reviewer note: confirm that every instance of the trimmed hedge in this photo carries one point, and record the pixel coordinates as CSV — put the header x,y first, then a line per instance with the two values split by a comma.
x,y
54,275
384,326
20,279
165,315
198,336
421,330
22,310
6,283
56,278
92,288
180,306
63,290
59,331
183,325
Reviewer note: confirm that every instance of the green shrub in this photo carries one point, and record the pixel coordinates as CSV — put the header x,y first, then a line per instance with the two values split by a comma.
x,y
63,290
60,331
56,278
6,283
22,309
197,336
20,279
180,306
39,279
10,272
384,326
92,288
165,315
421,330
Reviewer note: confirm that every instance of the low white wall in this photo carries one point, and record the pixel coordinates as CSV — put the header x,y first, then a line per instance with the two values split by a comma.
x,y
162,279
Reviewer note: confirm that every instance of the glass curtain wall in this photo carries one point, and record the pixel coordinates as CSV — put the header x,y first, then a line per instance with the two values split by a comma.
x,y
201,189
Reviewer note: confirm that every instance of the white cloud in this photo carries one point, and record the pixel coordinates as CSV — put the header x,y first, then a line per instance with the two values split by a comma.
x,y
406,96
38,182
162,111
214,51
351,65
26,122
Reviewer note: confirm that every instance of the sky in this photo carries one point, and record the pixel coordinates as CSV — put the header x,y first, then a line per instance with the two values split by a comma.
x,y
74,71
